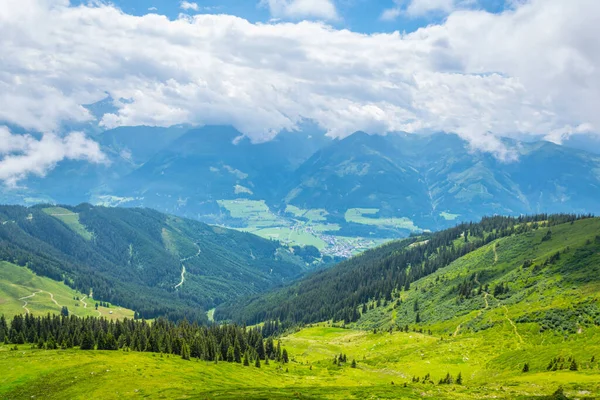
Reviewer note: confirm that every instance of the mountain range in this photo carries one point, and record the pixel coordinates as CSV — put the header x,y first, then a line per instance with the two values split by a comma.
x,y
362,185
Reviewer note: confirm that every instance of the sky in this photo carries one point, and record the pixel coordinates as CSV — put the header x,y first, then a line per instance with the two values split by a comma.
x,y
482,69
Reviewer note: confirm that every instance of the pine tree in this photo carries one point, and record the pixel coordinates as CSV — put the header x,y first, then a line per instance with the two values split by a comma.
x,y
353,365
230,354
237,351
459,379
526,367
185,351
87,342
573,366
284,356
246,361
257,362
278,351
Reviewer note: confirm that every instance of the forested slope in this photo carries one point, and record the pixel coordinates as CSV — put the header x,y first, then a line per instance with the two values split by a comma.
x,y
141,259
389,274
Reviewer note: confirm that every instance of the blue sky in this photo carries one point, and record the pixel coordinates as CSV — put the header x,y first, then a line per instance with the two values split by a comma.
x,y
356,15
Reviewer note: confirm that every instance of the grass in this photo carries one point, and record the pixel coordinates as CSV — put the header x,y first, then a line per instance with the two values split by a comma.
x,y
290,236
448,216
313,215
70,219
255,213
382,359
17,282
364,216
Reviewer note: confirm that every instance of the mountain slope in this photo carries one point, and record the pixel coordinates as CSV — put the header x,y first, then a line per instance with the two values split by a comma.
x,y
213,163
346,291
436,180
141,259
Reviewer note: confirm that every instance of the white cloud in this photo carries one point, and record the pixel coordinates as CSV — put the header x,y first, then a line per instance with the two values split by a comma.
x,y
23,155
299,9
186,5
419,8
152,9
530,70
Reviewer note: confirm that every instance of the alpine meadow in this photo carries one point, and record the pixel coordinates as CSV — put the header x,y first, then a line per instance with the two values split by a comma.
x,y
300,199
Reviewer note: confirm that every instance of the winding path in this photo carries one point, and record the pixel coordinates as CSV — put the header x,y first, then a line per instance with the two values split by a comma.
x,y
182,276
183,266
83,301
513,325
495,253
28,297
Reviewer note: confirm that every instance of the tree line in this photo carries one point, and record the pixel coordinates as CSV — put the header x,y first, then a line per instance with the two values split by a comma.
x,y
230,343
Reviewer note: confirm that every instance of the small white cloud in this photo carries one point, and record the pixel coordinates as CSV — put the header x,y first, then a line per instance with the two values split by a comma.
x,y
23,155
299,9
186,5
419,8
391,14
152,9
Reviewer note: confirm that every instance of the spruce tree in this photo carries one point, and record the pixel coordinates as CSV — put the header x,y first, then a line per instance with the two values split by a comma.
x,y
353,365
526,367
185,351
573,366
284,356
87,342
246,361
257,362
459,379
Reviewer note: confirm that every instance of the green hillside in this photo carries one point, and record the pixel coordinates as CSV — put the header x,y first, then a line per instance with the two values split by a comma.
x,y
143,260
509,310
22,291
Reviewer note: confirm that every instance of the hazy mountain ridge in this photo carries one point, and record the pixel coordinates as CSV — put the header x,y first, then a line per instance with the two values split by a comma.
x,y
432,180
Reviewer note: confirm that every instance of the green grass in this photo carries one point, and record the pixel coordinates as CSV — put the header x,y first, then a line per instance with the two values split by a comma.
x,y
289,235
70,219
255,213
448,216
489,364
313,215
363,216
17,282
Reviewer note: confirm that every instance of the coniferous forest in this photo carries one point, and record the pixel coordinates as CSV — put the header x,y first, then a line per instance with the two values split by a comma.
x,y
229,343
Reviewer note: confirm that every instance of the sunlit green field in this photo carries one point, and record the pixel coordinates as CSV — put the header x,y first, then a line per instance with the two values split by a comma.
x,y
21,291
365,216
490,365
71,219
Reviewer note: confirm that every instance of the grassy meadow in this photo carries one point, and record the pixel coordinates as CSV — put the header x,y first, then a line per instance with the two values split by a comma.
x,y
23,291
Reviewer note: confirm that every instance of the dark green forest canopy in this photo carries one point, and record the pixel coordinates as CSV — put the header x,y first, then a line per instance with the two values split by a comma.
x,y
338,292
210,343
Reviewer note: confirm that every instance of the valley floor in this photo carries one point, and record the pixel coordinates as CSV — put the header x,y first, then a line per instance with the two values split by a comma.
x,y
489,362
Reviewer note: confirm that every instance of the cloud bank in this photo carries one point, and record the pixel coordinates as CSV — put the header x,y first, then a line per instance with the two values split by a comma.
x,y
531,70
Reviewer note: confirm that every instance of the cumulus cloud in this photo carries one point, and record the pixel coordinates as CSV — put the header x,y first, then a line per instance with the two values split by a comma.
x,y
529,70
298,9
186,5
23,155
